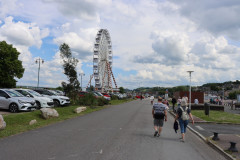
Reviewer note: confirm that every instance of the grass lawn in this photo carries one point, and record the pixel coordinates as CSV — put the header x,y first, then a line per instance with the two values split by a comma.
x,y
19,122
217,116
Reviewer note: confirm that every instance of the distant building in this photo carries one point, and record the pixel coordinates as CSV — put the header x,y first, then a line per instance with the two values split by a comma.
x,y
194,95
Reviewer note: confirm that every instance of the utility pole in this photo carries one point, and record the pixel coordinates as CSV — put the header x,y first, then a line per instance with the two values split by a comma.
x,y
39,61
190,72
81,74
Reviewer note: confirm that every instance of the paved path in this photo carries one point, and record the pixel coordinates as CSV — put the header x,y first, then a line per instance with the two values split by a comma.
x,y
122,132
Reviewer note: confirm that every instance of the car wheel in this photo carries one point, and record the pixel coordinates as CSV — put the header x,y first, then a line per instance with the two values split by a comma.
x,y
13,108
56,103
38,105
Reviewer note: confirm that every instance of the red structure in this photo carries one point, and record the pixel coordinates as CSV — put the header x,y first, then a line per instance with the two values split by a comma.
x,y
194,95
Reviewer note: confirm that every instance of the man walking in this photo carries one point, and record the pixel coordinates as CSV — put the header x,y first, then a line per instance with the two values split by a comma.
x,y
159,112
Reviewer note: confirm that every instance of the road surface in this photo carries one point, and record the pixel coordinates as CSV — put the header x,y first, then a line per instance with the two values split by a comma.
x,y
122,132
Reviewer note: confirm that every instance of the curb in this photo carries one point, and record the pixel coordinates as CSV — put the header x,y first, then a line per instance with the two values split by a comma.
x,y
209,142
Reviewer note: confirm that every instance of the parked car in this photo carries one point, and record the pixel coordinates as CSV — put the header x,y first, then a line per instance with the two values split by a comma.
x,y
139,97
101,95
82,93
14,101
41,101
107,96
57,100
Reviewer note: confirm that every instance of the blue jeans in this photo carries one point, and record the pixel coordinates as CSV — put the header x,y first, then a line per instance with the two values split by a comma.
x,y
183,125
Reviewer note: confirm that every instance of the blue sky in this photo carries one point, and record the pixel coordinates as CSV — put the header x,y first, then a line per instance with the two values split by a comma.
x,y
154,42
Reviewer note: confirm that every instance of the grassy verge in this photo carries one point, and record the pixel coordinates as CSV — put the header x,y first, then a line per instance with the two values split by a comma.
x,y
217,116
18,123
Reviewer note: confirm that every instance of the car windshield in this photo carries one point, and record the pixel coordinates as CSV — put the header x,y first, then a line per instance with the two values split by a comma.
x,y
99,94
14,93
35,93
25,93
53,92
46,92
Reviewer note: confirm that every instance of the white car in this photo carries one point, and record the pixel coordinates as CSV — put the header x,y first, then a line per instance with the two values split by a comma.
x,y
57,100
42,102
14,101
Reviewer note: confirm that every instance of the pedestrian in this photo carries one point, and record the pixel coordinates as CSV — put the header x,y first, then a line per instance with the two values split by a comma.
x,y
165,101
174,101
179,102
152,99
159,113
183,114
196,101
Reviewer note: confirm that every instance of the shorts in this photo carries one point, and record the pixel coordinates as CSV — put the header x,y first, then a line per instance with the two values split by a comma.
x,y
158,122
183,125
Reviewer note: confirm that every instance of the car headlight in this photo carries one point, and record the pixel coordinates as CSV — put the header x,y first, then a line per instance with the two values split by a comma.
x,y
63,99
22,102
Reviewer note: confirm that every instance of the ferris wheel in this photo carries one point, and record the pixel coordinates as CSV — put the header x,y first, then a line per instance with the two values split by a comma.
x,y
102,62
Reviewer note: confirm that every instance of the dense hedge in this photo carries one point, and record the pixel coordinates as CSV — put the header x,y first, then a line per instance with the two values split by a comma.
x,y
90,100
212,107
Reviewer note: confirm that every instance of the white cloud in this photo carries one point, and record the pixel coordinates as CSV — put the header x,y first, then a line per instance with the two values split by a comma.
x,y
20,33
152,40
7,6
220,17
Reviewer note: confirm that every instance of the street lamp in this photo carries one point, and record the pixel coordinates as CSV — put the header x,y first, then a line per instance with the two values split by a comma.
x,y
39,61
81,74
190,72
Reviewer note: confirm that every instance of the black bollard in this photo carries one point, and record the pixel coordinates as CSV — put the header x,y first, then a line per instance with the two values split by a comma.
x,y
215,137
233,147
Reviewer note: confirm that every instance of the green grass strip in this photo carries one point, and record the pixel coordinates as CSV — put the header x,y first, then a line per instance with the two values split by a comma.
x,y
218,116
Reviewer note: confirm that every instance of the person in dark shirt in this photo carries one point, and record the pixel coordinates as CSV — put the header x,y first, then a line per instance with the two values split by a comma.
x,y
174,101
159,113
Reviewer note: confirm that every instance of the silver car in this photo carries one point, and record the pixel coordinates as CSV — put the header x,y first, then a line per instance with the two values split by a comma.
x,y
14,101
41,101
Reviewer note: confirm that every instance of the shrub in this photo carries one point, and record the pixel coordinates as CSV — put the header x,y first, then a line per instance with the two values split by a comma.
x,y
88,100
102,101
114,97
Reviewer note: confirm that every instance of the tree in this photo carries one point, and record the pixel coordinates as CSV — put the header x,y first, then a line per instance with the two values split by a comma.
x,y
69,65
121,90
10,66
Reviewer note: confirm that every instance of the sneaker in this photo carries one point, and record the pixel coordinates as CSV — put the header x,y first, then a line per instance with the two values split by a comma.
x,y
182,140
158,135
155,134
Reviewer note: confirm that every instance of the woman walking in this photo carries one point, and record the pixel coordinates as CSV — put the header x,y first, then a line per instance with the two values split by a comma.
x,y
183,114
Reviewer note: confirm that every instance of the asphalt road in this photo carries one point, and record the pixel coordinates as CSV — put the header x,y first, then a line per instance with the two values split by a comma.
x,y
207,129
122,132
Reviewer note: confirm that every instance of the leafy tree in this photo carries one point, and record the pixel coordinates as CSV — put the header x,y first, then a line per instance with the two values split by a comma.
x,y
121,90
10,66
233,95
69,65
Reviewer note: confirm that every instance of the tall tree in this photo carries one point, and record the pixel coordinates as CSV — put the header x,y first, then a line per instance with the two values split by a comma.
x,y
69,65
121,90
10,66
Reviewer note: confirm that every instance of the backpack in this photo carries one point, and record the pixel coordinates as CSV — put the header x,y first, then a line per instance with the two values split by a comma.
x,y
159,113
185,115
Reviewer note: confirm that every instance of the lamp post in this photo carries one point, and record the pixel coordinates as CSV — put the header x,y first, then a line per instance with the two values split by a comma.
x,y
190,72
39,61
81,74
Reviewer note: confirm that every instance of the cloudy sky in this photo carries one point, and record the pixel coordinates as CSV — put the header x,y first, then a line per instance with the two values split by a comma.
x,y
155,42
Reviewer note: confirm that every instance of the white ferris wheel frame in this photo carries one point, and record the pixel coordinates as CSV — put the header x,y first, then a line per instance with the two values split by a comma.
x,y
102,61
